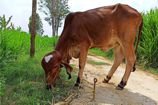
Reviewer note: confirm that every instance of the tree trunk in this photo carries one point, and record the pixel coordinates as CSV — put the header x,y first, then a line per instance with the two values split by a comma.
x,y
53,17
53,27
33,29
56,25
58,21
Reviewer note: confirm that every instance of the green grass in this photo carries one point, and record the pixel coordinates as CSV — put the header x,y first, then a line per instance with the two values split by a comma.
x,y
148,47
21,77
25,84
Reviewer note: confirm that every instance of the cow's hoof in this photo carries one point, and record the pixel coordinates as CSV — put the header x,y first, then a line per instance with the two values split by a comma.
x,y
119,88
134,69
121,85
77,84
106,80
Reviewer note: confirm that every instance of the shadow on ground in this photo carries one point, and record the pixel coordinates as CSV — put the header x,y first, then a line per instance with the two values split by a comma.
x,y
108,95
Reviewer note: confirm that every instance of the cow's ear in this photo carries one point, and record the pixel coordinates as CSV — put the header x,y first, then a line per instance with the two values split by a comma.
x,y
68,68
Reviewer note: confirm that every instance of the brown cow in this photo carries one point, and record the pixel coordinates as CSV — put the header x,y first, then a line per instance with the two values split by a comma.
x,y
106,27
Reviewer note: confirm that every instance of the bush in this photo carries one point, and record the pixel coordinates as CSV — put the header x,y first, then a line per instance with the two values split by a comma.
x,y
14,43
148,46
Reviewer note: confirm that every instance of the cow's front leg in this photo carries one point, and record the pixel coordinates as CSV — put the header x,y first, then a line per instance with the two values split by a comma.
x,y
82,62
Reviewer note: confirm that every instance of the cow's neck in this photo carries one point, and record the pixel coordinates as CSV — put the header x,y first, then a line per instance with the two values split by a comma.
x,y
63,48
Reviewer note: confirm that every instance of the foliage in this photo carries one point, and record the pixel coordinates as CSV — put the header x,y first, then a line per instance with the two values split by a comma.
x,y
148,47
25,84
39,25
2,84
22,77
55,11
14,43
10,45
6,24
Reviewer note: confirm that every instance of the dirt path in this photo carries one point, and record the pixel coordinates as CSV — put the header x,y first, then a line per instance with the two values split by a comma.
x,y
142,87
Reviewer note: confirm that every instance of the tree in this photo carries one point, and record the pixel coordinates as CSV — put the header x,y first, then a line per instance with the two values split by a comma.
x,y
39,24
55,11
33,29
6,24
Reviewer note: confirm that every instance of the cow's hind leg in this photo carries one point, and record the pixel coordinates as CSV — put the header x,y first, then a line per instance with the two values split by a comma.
x,y
119,56
130,60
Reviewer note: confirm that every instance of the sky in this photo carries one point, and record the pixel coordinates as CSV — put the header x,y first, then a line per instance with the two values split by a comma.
x,y
21,9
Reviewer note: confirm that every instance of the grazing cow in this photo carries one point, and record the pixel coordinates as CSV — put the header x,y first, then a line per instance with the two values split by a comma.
x,y
106,27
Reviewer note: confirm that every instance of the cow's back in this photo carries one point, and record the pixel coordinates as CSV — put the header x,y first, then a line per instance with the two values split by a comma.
x,y
99,26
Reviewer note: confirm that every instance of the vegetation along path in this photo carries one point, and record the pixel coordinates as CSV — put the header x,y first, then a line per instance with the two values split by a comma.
x,y
140,90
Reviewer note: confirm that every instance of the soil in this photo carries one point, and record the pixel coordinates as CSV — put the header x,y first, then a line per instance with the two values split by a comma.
x,y
141,89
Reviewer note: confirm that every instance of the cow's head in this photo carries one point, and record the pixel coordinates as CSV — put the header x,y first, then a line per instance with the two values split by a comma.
x,y
51,63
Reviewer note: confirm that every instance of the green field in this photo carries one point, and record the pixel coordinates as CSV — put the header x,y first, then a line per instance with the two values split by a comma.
x,y
22,78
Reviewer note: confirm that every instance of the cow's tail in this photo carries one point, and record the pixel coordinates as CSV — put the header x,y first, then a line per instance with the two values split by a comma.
x,y
138,39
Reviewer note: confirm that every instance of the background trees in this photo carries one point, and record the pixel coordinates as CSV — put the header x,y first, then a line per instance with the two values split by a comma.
x,y
55,11
6,24
39,25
